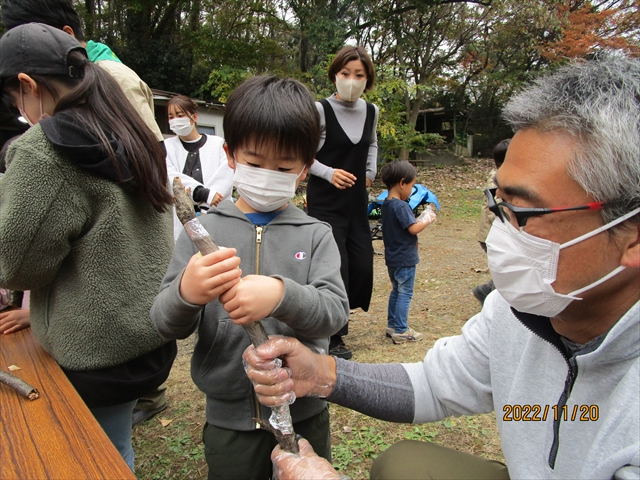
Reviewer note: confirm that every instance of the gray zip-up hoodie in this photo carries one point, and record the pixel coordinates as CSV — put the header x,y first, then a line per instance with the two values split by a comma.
x,y
560,416
293,247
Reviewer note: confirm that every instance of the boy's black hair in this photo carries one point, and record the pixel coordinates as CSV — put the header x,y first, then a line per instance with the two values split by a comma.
x,y
500,151
278,112
398,170
56,13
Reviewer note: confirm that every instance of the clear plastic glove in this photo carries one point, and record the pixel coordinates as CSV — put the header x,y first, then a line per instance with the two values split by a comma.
x,y
303,372
5,298
428,216
303,465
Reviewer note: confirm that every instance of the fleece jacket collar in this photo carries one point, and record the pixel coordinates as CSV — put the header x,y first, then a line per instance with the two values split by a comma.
x,y
621,342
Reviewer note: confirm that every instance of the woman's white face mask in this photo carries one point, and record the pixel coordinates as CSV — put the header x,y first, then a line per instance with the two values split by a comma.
x,y
524,267
350,89
181,126
264,190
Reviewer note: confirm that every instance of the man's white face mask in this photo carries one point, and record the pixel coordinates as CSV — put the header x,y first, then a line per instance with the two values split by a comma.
x,y
523,267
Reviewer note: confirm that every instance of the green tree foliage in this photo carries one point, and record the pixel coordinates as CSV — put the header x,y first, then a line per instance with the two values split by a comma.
x,y
465,55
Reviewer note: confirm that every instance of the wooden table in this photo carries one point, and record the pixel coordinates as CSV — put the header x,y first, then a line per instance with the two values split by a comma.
x,y
55,436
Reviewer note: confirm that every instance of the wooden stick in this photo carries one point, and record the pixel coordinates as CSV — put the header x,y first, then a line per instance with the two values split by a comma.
x,y
19,385
203,241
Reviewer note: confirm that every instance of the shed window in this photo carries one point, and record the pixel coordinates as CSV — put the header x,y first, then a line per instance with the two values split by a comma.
x,y
206,129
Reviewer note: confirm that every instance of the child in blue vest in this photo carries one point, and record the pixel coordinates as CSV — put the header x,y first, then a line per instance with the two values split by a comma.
x,y
400,230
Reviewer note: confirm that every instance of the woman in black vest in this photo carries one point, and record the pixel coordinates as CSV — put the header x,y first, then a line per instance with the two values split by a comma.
x,y
345,166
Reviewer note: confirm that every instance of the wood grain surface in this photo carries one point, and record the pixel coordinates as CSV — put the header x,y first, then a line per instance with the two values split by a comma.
x,y
55,436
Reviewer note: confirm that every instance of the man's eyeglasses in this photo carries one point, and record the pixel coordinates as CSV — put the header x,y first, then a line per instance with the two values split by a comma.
x,y
506,211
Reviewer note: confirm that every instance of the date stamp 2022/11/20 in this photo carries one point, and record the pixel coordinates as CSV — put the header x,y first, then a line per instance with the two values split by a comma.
x,y
537,413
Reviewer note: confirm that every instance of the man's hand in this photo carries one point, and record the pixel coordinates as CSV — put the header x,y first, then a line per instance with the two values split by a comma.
x,y
13,320
205,278
302,373
303,465
342,179
254,298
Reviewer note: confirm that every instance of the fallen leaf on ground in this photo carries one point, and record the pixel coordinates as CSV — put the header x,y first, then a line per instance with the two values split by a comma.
x,y
165,422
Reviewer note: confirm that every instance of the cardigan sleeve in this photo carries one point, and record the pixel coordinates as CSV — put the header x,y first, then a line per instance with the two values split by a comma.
x,y
221,180
176,158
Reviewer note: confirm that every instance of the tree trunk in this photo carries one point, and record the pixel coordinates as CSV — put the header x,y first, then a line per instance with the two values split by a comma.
x,y
89,29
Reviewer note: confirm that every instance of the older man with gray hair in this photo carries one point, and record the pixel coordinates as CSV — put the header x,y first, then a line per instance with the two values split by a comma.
x,y
555,350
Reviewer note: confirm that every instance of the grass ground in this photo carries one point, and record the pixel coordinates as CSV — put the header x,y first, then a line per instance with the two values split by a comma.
x,y
452,263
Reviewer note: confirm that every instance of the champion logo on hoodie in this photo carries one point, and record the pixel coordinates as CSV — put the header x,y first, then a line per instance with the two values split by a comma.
x,y
301,255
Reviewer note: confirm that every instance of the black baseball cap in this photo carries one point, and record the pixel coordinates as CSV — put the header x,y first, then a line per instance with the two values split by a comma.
x,y
36,48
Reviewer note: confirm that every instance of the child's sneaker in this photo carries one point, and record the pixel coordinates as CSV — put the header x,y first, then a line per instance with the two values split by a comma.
x,y
389,332
409,335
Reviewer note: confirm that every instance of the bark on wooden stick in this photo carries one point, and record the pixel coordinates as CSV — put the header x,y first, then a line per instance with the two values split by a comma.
x,y
203,241
19,385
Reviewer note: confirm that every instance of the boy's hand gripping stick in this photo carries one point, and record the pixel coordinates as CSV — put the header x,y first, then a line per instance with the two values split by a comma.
x,y
280,423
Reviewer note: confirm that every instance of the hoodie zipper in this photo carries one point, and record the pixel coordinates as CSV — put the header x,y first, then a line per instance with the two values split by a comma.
x,y
257,272
568,386
572,374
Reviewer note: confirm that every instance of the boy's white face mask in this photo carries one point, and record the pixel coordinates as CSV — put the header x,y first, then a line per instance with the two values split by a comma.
x,y
523,267
264,190
350,89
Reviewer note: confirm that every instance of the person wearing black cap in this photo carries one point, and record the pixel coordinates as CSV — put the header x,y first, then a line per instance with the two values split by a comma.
x,y
61,14
95,249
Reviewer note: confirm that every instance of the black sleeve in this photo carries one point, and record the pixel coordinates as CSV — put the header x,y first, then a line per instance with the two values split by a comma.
x,y
200,194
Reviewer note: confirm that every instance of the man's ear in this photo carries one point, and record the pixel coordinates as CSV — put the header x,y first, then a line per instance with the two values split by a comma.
x,y
67,29
29,85
232,164
194,118
631,255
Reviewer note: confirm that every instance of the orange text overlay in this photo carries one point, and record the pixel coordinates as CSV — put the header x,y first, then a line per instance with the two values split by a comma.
x,y
540,413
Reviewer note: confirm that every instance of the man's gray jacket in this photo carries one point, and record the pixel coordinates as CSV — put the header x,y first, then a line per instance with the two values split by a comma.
x,y
559,415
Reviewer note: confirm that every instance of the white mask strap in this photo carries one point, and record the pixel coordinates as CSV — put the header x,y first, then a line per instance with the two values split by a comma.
x,y
601,229
598,282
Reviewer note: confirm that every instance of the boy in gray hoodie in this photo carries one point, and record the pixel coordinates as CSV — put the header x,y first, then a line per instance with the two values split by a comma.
x,y
292,280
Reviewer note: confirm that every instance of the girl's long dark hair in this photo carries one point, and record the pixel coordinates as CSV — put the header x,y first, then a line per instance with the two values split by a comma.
x,y
102,106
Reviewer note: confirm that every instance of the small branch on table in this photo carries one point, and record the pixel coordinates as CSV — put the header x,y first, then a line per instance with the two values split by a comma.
x,y
19,385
